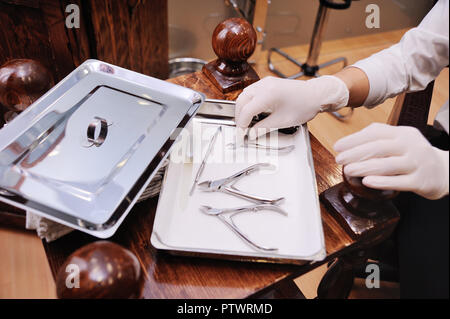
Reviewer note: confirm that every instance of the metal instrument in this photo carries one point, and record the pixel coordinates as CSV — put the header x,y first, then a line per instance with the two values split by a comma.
x,y
226,216
224,109
216,101
281,149
226,185
202,165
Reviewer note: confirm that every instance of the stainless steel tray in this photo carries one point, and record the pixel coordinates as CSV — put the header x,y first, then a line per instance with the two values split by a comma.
x,y
181,229
84,152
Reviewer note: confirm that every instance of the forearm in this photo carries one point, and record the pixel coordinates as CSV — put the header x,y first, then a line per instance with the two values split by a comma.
x,y
408,65
357,84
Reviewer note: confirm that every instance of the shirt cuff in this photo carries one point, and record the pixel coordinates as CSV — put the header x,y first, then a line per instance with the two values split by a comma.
x,y
377,81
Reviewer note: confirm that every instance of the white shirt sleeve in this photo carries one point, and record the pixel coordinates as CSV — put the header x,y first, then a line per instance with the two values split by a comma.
x,y
412,63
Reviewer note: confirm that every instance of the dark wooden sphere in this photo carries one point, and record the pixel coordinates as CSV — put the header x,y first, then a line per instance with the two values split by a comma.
x,y
357,188
23,81
107,270
234,40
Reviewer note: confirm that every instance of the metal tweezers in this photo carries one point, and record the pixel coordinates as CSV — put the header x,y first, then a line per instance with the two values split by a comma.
x,y
226,185
247,143
226,216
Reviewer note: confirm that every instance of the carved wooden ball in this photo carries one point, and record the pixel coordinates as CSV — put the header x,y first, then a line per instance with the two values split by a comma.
x,y
23,81
234,40
106,270
357,188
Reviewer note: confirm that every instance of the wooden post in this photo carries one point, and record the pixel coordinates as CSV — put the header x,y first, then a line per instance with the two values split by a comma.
x,y
233,41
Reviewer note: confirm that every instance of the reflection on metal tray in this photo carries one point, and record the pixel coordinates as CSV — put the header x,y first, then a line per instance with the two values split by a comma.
x,y
181,228
224,109
84,152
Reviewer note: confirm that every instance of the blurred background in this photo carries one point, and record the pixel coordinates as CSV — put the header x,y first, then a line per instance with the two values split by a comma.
x,y
288,23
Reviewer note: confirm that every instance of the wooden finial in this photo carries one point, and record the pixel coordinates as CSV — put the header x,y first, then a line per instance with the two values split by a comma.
x,y
358,208
106,270
233,41
358,189
22,81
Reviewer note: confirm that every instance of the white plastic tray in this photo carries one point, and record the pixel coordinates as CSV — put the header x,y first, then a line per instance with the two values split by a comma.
x,y
181,228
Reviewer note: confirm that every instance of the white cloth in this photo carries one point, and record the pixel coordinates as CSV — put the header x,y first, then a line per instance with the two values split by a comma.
x,y
45,228
412,63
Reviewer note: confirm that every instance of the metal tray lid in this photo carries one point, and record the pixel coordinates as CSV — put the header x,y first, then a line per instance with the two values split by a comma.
x,y
83,153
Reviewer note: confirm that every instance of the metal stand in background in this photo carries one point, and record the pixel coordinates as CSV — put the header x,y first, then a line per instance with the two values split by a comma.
x,y
310,67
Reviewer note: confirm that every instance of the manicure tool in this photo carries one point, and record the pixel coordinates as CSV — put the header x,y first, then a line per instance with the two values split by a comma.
x,y
221,109
281,149
231,212
216,101
226,185
202,165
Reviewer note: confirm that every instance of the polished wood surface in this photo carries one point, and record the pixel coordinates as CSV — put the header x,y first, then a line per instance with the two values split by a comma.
x,y
11,216
233,41
99,270
360,209
24,35
357,188
412,109
132,34
360,216
127,33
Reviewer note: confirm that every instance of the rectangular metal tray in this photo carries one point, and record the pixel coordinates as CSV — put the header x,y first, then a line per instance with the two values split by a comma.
x,y
83,153
181,229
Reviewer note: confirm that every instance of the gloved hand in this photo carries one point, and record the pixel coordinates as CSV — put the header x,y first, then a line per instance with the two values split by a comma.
x,y
292,102
395,158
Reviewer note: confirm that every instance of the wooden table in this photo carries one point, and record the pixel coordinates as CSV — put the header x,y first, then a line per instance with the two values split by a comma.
x,y
168,276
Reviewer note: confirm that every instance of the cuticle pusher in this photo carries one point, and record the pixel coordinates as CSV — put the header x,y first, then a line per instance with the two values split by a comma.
x,y
202,165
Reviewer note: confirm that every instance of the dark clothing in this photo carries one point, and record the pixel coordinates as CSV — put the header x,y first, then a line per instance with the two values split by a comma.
x,y
423,242
423,247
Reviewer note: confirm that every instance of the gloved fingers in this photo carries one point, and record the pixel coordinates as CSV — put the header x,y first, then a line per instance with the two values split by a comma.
x,y
240,135
254,133
375,149
265,82
375,131
269,124
388,166
257,104
243,99
396,182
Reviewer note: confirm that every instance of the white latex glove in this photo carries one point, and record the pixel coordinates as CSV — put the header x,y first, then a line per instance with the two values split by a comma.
x,y
292,102
395,158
